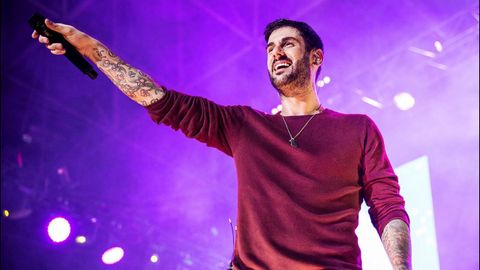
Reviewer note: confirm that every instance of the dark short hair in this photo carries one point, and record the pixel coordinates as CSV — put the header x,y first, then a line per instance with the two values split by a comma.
x,y
311,38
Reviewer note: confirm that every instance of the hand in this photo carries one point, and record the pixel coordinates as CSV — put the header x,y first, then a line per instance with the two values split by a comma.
x,y
81,41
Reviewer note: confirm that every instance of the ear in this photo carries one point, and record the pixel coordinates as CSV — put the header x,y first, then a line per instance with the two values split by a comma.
x,y
316,57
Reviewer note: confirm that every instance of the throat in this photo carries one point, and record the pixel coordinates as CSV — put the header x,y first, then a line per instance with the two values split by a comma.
x,y
304,102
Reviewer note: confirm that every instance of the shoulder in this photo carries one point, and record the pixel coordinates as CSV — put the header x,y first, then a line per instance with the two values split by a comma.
x,y
348,118
250,112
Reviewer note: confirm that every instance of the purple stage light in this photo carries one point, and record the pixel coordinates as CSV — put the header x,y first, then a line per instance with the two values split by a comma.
x,y
404,101
154,258
372,102
320,83
58,229
438,46
327,79
277,109
80,239
112,255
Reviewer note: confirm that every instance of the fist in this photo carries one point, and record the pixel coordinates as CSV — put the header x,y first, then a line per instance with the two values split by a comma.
x,y
78,39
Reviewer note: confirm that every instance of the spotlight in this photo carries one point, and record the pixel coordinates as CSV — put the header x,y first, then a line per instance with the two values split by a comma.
x,y
404,101
112,255
372,102
6,213
277,109
61,171
154,258
320,83
438,46
423,52
58,229
81,239
326,79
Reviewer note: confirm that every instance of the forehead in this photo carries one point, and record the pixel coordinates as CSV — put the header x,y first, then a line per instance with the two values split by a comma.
x,y
283,32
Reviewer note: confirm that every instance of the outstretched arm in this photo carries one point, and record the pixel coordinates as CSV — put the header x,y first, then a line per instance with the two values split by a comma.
x,y
396,241
132,82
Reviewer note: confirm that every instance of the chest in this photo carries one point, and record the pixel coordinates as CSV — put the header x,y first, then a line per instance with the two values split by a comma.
x,y
322,174
324,147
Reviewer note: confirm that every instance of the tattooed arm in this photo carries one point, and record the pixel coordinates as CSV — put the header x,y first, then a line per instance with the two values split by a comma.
x,y
396,241
132,82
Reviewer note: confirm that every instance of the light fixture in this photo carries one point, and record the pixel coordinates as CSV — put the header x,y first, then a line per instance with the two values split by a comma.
x,y
112,255
404,101
58,229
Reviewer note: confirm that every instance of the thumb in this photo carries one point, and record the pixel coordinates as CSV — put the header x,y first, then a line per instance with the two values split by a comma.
x,y
65,30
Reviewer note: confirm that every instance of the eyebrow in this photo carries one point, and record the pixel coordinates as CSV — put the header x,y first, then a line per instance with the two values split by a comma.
x,y
282,41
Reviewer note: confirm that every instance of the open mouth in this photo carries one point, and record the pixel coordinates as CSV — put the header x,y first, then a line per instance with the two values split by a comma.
x,y
281,65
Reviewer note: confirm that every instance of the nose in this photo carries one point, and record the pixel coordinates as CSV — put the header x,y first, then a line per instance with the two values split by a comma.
x,y
277,52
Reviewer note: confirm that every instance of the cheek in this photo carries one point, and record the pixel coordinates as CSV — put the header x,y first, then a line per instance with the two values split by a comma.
x,y
269,64
294,53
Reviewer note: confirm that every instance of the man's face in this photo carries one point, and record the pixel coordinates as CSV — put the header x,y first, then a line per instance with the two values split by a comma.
x,y
288,63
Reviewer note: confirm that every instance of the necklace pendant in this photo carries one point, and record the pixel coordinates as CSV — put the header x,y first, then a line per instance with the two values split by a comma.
x,y
293,143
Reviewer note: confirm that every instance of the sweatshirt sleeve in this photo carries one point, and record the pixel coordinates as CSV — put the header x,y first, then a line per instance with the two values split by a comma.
x,y
381,188
197,118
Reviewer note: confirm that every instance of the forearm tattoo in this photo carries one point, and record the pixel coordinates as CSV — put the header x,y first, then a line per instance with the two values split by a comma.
x,y
131,81
396,240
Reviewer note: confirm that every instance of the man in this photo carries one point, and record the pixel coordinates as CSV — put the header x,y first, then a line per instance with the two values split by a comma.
x,y
302,173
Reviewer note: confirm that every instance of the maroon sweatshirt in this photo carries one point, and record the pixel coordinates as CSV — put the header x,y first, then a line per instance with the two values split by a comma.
x,y
297,207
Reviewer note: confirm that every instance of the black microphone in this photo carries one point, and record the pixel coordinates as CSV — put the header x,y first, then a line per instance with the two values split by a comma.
x,y
37,22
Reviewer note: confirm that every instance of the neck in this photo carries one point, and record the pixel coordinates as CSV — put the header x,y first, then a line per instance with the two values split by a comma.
x,y
303,103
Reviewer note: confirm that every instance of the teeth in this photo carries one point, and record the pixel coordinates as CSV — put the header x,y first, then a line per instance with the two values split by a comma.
x,y
281,65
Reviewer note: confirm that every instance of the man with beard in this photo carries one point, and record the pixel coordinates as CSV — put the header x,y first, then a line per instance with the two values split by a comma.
x,y
302,173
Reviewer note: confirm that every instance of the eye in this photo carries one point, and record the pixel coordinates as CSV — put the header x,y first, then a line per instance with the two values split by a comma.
x,y
289,44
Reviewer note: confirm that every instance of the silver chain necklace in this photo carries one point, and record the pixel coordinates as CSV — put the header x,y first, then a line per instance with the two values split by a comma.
x,y
293,141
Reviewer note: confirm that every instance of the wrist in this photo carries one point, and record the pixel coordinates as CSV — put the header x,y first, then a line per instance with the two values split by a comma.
x,y
402,267
91,49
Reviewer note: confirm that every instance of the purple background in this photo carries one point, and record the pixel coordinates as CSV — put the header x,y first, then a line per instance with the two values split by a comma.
x,y
151,189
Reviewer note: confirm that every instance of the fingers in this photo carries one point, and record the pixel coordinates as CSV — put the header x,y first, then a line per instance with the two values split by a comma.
x,y
56,48
61,28
44,40
58,52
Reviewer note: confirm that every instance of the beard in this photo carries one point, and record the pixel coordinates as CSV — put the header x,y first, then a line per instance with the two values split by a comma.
x,y
291,83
